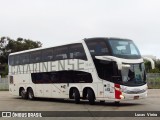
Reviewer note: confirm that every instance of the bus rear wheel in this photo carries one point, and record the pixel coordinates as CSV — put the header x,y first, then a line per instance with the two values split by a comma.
x,y
91,96
76,96
23,94
30,94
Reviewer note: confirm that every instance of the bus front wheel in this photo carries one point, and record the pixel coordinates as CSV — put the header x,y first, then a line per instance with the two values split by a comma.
x,y
30,94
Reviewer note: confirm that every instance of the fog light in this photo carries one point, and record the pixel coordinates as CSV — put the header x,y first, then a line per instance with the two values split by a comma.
x,y
121,96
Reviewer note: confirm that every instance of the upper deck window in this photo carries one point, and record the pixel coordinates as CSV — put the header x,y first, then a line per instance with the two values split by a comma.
x,y
47,55
76,51
35,57
97,47
25,58
61,52
11,60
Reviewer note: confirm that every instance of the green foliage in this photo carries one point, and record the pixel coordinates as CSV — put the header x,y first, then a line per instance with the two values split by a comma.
x,y
157,64
157,67
156,70
154,83
8,45
147,66
22,44
5,72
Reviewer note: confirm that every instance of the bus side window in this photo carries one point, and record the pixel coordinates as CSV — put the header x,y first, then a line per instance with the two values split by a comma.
x,y
61,53
66,76
97,48
35,57
47,55
11,60
82,77
76,51
61,77
41,78
25,58
54,77
17,60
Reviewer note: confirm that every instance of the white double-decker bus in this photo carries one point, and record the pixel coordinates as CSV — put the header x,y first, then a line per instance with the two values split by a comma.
x,y
98,69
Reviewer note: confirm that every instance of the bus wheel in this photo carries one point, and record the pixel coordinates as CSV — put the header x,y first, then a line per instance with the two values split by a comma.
x,y
76,96
91,96
30,94
23,94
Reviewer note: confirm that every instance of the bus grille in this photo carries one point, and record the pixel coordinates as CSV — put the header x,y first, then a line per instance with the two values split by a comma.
x,y
135,91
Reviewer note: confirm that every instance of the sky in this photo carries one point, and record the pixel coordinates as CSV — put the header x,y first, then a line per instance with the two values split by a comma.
x,y
55,22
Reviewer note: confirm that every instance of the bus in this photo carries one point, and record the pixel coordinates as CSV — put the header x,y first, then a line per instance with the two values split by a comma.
x,y
93,69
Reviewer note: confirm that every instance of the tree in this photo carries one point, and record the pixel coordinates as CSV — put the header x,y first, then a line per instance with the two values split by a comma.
x,y
8,45
147,65
158,64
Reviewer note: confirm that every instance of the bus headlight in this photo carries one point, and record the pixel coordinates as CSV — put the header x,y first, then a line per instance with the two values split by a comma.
x,y
121,96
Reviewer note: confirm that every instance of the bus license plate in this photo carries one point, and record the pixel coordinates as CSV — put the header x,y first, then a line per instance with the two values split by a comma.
x,y
136,97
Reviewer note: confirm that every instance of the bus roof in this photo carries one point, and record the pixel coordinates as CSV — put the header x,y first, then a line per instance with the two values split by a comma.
x,y
108,38
41,48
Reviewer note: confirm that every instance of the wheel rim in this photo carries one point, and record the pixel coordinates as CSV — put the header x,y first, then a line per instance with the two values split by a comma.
x,y
74,94
22,93
30,95
87,96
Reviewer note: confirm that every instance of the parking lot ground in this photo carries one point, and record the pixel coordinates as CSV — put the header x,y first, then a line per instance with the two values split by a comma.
x,y
14,103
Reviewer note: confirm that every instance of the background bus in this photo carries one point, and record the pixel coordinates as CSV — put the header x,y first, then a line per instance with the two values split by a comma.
x,y
93,69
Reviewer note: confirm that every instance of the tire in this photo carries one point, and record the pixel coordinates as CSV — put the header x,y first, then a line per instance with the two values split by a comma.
x,y
30,94
91,96
76,96
71,94
23,94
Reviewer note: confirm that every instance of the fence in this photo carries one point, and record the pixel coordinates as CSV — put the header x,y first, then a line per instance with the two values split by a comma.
x,y
4,84
153,80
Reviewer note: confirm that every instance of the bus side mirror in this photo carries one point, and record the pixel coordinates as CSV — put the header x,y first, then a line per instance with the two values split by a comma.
x,y
111,58
152,62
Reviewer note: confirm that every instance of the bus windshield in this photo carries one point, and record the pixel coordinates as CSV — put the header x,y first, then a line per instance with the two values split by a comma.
x,y
134,75
124,49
